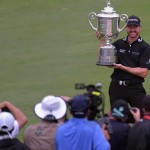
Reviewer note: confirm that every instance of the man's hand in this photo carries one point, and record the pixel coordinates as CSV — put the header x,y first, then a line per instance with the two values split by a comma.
x,y
135,113
117,66
3,104
105,131
98,35
102,40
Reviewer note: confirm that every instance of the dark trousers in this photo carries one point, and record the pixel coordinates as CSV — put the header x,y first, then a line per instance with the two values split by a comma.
x,y
132,93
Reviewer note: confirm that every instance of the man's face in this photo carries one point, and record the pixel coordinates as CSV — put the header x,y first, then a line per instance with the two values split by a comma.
x,y
133,31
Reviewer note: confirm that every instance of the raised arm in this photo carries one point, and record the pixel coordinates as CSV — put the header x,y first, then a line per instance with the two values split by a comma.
x,y
17,113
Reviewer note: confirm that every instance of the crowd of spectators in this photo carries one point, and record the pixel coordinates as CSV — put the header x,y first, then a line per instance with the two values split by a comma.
x,y
55,132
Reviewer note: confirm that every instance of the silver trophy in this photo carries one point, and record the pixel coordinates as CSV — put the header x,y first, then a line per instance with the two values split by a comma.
x,y
108,25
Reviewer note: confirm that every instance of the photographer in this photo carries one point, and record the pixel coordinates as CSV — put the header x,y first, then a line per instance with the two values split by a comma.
x,y
11,119
96,97
118,120
118,117
139,135
79,133
96,106
17,113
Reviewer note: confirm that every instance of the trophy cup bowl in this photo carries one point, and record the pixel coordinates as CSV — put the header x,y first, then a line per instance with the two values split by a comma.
x,y
108,26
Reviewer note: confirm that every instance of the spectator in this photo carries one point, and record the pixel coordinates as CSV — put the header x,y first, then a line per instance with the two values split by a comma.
x,y
51,111
139,135
78,133
11,118
20,117
119,122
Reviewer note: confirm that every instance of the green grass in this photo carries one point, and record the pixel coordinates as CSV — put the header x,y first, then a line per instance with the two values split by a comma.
x,y
48,46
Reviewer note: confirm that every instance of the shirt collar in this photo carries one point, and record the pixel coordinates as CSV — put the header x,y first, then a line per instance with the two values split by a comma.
x,y
138,40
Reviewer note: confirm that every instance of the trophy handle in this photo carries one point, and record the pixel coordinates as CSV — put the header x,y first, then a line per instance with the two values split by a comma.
x,y
92,15
123,17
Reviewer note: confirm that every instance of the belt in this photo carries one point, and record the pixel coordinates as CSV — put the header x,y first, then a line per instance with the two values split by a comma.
x,y
126,82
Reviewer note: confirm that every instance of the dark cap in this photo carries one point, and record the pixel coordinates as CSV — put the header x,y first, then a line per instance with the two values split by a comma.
x,y
79,105
146,103
120,109
133,20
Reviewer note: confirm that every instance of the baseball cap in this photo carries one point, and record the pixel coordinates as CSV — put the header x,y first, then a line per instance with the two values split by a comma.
x,y
133,20
79,105
120,109
6,121
51,105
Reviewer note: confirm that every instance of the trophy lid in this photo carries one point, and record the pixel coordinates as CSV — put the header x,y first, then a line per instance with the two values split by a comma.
x,y
108,9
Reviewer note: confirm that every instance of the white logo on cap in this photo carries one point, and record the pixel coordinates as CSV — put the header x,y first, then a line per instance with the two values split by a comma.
x,y
118,112
133,20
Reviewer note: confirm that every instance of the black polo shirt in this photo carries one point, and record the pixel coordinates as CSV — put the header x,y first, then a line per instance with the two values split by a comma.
x,y
133,55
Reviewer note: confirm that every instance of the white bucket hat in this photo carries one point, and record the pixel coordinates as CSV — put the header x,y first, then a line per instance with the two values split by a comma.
x,y
51,105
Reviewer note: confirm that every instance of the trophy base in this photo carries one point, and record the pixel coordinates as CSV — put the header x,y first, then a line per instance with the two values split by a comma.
x,y
104,64
107,56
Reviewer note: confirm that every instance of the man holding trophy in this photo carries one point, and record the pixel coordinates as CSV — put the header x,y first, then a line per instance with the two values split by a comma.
x,y
130,56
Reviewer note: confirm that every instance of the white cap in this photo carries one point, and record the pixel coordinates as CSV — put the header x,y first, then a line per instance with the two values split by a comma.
x,y
6,121
51,105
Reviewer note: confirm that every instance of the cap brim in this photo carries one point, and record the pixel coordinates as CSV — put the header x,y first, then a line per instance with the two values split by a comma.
x,y
119,117
58,113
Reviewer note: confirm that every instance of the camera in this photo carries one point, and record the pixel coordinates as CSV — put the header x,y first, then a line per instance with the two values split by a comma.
x,y
5,109
96,96
105,120
81,86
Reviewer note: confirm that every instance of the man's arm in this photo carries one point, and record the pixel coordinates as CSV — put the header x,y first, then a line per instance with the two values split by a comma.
x,y
17,113
105,131
141,72
66,98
